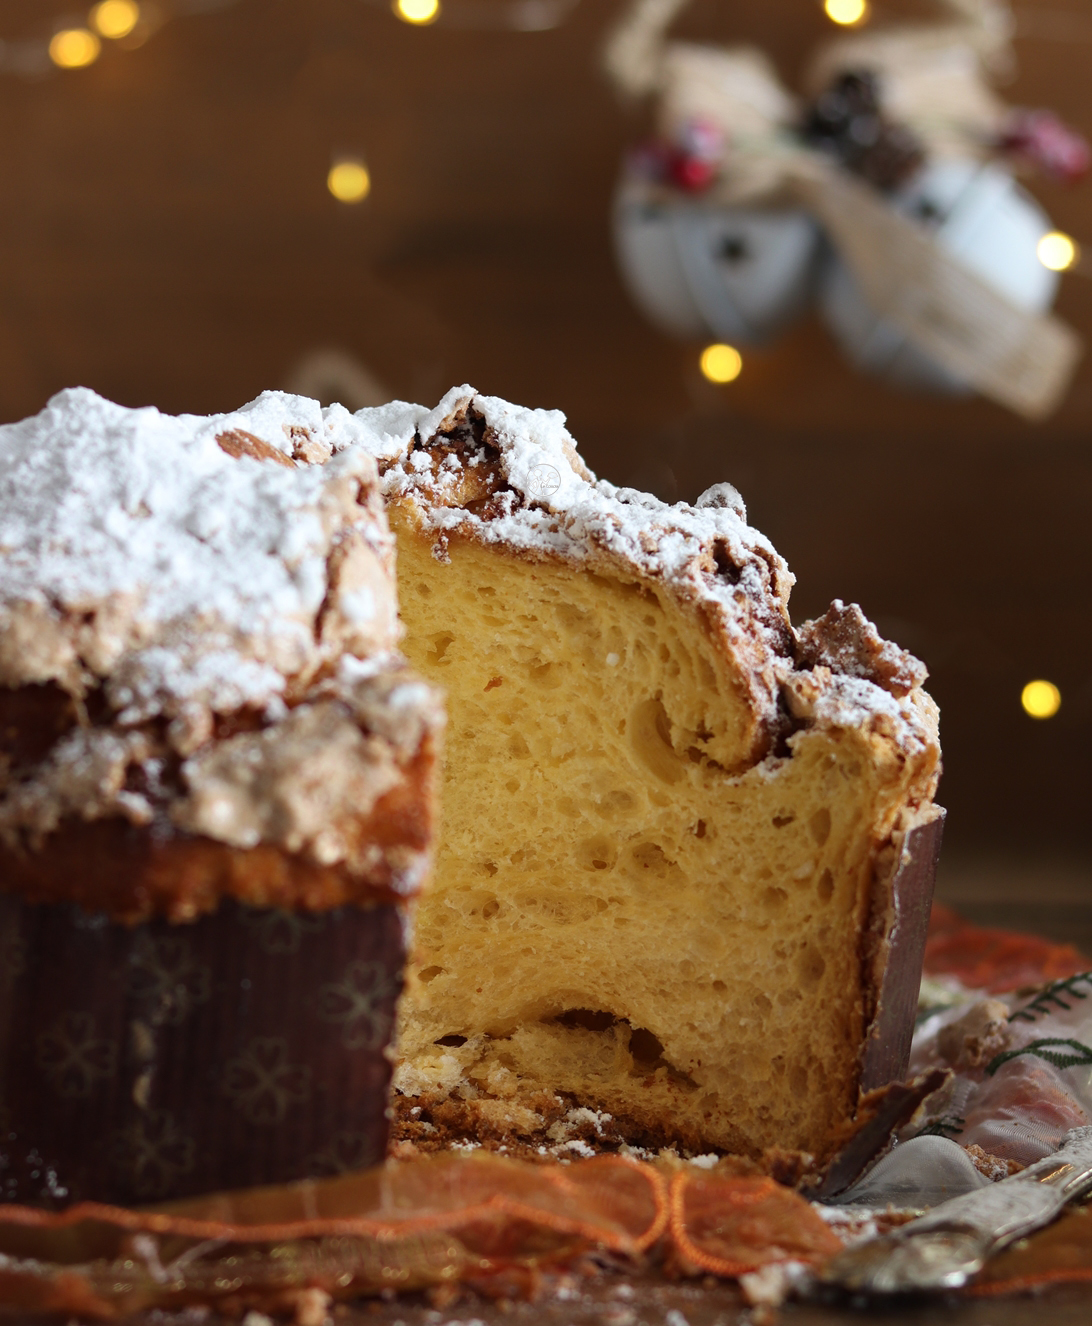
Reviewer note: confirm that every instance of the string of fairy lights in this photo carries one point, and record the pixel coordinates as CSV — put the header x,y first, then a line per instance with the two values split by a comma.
x,y
127,24
76,44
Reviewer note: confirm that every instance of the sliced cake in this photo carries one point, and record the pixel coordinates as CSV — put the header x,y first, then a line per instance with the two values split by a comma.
x,y
216,799
664,904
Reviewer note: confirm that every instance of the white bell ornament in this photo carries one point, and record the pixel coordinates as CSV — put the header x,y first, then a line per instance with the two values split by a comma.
x,y
981,217
696,269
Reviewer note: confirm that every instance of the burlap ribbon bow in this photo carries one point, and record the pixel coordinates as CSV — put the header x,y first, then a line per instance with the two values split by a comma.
x,y
934,79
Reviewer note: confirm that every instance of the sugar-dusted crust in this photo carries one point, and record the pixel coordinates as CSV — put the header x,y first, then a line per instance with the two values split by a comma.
x,y
158,556
482,469
199,694
477,467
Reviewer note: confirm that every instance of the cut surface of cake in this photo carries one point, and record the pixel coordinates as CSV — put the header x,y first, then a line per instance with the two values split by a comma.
x,y
663,890
216,799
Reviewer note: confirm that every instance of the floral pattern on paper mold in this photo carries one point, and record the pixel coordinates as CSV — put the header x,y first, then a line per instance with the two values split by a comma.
x,y
361,1003
279,931
262,1082
73,1057
153,1153
166,978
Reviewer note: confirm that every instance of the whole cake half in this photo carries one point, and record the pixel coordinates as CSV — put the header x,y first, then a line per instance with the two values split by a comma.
x,y
216,799
670,900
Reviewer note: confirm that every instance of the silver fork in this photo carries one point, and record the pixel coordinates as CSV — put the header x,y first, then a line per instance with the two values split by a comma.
x,y
945,1247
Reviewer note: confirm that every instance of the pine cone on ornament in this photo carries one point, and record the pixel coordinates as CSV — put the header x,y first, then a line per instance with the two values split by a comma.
x,y
847,122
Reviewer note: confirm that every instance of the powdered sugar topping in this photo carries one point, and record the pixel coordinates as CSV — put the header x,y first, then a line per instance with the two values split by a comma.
x,y
558,505
485,469
550,504
132,546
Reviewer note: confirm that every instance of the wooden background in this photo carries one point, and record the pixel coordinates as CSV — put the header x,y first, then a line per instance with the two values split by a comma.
x,y
166,237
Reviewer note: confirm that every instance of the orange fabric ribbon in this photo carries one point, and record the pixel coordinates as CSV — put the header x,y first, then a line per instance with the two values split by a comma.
x,y
730,1226
481,1219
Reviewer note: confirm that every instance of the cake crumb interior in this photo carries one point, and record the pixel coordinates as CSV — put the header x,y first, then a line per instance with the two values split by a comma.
x,y
625,907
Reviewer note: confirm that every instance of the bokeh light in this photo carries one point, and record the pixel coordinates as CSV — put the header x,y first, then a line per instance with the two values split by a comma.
x,y
74,48
115,18
846,13
1041,699
721,363
1057,251
349,181
417,11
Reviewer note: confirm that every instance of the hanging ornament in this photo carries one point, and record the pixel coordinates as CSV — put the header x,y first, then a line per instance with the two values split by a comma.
x,y
743,273
902,156
982,219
